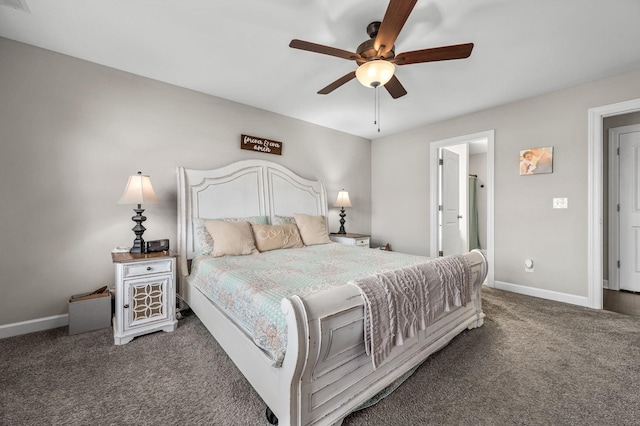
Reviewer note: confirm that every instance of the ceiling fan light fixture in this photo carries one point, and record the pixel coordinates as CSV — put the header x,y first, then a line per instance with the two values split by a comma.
x,y
375,73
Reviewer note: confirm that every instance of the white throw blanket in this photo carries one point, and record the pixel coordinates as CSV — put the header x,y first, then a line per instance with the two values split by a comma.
x,y
399,303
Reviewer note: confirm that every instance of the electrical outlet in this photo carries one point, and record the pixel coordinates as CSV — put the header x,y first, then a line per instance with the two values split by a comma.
x,y
528,265
560,203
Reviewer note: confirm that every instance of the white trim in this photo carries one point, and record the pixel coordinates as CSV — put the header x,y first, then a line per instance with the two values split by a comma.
x,y
595,203
30,326
543,294
489,136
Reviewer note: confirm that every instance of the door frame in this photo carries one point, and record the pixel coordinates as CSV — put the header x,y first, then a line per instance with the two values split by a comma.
x,y
488,136
595,194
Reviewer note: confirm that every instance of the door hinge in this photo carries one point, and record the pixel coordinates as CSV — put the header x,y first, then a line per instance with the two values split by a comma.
x,y
618,263
440,208
618,150
618,207
440,161
440,253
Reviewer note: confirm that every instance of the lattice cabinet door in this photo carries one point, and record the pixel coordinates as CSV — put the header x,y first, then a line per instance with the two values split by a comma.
x,y
145,301
145,295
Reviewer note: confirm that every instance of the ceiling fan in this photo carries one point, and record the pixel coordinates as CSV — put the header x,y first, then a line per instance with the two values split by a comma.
x,y
376,57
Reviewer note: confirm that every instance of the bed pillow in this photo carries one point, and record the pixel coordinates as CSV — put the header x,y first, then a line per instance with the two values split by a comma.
x,y
203,238
312,229
284,220
231,238
273,237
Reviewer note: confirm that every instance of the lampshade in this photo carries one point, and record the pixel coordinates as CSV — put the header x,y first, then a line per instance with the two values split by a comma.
x,y
375,73
343,199
138,191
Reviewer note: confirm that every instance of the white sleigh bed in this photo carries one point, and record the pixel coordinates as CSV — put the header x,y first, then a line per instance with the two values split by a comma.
x,y
326,373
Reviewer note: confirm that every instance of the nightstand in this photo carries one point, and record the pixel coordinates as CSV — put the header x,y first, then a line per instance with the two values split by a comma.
x,y
145,294
358,240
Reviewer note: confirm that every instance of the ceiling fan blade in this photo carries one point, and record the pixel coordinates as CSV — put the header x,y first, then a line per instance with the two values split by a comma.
x,y
320,48
444,53
396,15
395,88
339,82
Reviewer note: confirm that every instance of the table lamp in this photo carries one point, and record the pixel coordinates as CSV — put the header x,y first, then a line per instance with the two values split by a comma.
x,y
342,202
138,191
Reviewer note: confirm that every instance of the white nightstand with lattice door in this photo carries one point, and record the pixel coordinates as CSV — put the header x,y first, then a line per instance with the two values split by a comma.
x,y
145,294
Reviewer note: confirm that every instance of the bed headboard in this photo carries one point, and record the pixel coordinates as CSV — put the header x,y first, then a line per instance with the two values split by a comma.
x,y
245,188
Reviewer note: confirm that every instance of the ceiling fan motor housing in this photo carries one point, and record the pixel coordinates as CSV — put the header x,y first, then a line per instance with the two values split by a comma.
x,y
366,49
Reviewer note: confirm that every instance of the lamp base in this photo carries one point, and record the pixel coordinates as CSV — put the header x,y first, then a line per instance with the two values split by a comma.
x,y
138,243
138,246
342,221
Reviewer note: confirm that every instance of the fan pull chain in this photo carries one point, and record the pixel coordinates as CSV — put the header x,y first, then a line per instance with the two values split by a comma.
x,y
375,111
376,107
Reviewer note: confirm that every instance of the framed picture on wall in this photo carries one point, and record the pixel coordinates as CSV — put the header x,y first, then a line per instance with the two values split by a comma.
x,y
535,161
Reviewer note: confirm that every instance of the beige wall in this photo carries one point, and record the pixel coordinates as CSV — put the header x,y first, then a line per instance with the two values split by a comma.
x,y
71,132
525,224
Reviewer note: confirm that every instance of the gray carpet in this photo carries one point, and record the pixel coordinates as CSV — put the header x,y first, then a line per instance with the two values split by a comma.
x,y
534,362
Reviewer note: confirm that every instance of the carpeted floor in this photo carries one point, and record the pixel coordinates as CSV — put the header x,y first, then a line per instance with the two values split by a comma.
x,y
534,362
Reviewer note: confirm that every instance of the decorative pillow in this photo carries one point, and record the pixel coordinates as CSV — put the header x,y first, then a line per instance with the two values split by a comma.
x,y
231,238
312,229
205,242
273,237
284,220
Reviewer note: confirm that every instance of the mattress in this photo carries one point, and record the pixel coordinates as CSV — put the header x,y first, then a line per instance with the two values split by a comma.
x,y
249,289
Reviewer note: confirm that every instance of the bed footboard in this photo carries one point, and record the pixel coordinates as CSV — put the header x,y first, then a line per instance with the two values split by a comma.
x,y
333,374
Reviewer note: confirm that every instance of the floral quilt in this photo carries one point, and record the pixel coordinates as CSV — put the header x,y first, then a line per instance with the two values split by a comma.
x,y
249,288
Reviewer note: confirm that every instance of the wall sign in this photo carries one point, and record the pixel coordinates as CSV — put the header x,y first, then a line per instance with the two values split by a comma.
x,y
253,143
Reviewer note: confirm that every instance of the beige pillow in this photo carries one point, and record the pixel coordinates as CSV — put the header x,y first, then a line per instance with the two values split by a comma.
x,y
231,238
205,242
273,237
312,229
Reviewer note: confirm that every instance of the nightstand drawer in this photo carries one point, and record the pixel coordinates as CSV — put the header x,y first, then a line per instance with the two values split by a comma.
x,y
357,240
144,268
362,242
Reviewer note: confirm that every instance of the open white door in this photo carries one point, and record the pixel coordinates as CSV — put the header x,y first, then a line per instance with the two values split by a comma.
x,y
629,218
449,206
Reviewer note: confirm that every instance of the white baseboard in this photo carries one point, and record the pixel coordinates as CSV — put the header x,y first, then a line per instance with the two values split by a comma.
x,y
39,324
605,284
543,294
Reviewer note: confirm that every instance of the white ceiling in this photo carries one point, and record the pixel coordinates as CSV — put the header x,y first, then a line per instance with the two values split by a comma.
x,y
238,50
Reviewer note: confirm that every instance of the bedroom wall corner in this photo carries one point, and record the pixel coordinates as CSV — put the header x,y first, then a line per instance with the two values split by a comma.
x,y
526,225
73,131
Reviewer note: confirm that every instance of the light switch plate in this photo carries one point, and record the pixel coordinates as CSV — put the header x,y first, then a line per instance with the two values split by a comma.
x,y
560,203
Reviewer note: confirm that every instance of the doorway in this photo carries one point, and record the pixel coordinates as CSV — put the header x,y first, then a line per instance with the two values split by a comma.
x,y
474,143
596,198
623,209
